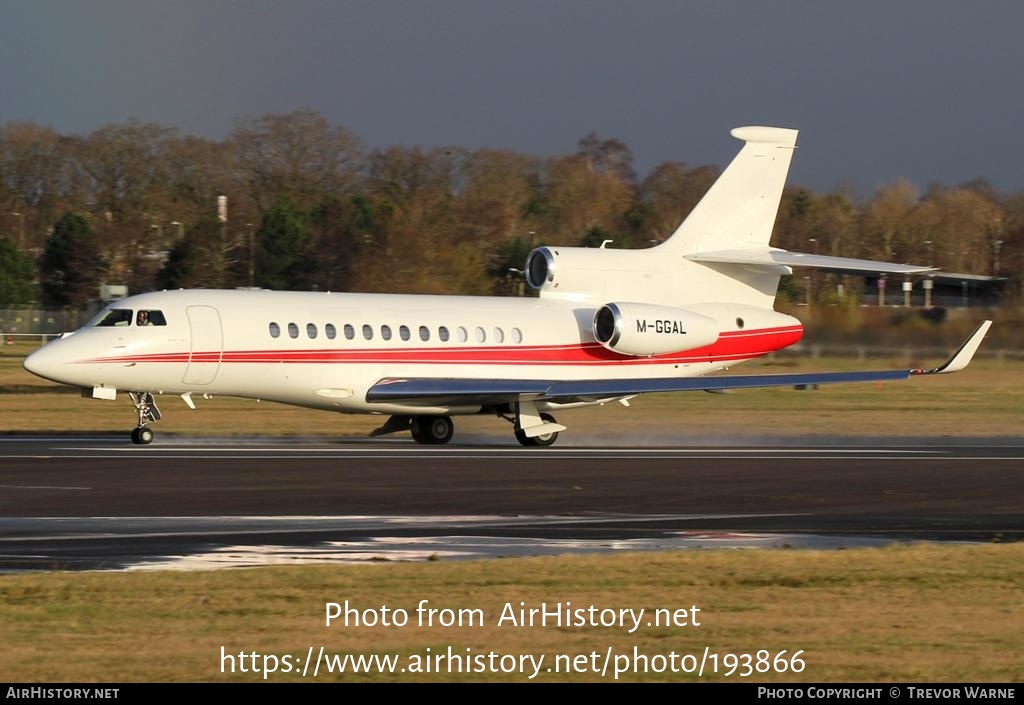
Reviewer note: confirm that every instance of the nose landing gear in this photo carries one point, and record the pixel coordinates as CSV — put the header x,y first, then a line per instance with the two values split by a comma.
x,y
145,406
143,435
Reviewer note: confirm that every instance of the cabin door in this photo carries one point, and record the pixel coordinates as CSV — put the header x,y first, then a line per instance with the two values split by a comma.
x,y
207,345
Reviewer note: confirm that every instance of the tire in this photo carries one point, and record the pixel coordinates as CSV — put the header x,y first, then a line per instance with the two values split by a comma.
x,y
523,439
145,435
542,441
432,430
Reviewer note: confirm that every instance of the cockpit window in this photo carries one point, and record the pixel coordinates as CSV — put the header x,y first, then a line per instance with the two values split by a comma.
x,y
115,317
150,318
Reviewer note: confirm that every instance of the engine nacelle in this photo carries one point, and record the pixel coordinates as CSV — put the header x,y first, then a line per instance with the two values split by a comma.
x,y
649,329
582,272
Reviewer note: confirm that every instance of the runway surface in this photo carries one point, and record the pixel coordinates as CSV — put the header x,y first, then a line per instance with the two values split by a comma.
x,y
101,502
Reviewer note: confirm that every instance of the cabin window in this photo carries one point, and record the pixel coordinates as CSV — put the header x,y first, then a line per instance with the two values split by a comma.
x,y
517,336
481,335
293,330
311,330
463,335
367,331
385,332
403,331
150,318
275,330
424,333
499,335
330,331
442,333
350,332
116,317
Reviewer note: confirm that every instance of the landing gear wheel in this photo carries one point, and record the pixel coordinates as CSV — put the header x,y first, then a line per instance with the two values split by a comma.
x,y
543,440
432,430
146,408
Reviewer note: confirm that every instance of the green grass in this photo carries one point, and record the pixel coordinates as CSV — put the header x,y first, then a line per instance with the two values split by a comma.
x,y
904,613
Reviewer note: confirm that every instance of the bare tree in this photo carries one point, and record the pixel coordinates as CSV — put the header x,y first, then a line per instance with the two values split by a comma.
x,y
35,183
297,155
668,194
581,199
887,220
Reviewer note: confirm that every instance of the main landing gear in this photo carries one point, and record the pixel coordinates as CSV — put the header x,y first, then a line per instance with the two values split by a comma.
x,y
532,429
432,430
145,406
541,440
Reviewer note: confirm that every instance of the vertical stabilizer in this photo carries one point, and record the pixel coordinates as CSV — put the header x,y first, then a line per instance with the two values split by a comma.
x,y
738,211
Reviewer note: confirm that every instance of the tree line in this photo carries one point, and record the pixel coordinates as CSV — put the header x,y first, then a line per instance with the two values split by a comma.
x,y
309,207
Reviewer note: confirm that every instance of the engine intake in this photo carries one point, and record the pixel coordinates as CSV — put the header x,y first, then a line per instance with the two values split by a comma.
x,y
649,329
540,268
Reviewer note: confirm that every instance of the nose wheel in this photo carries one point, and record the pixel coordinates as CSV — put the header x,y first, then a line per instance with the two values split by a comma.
x,y
143,436
146,408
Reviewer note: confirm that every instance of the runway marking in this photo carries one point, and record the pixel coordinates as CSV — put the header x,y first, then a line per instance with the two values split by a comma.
x,y
57,439
41,487
547,451
389,519
528,455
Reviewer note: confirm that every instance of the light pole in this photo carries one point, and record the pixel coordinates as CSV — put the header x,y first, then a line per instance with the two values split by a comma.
x,y
21,229
252,255
522,278
144,249
997,244
810,275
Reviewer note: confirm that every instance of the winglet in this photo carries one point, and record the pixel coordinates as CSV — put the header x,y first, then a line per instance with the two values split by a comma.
x,y
962,357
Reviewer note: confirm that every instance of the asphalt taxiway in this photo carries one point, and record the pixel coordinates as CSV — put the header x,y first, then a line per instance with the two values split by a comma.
x,y
101,502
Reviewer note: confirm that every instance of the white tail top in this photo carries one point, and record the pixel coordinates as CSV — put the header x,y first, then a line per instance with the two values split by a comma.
x,y
738,211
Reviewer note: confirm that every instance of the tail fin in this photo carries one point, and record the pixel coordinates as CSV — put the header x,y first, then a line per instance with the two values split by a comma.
x,y
738,211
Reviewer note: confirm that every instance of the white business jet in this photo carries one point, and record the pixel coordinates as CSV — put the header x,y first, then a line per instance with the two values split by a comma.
x,y
607,325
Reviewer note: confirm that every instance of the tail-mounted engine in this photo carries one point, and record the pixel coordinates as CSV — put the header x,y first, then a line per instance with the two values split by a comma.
x,y
649,329
581,272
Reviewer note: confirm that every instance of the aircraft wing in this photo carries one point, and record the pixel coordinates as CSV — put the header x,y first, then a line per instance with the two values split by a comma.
x,y
445,391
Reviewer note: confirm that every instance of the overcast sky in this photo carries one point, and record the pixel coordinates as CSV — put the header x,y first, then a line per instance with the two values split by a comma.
x,y
923,89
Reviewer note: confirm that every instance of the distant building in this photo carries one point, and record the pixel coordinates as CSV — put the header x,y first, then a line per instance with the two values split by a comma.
x,y
948,290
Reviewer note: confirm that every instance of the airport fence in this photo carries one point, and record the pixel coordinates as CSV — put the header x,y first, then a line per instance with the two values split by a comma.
x,y
35,322
907,353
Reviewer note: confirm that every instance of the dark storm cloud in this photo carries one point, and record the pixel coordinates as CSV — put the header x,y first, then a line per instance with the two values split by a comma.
x,y
921,89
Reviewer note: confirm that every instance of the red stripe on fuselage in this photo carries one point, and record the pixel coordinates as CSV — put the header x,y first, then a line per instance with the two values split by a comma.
x,y
729,346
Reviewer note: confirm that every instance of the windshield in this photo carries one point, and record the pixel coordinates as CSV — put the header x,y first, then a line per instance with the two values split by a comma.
x,y
115,317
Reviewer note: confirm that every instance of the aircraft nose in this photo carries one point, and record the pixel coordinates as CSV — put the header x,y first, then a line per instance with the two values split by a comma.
x,y
43,363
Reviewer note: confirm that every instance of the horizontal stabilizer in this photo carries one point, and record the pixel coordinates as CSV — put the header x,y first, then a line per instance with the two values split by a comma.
x,y
772,259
